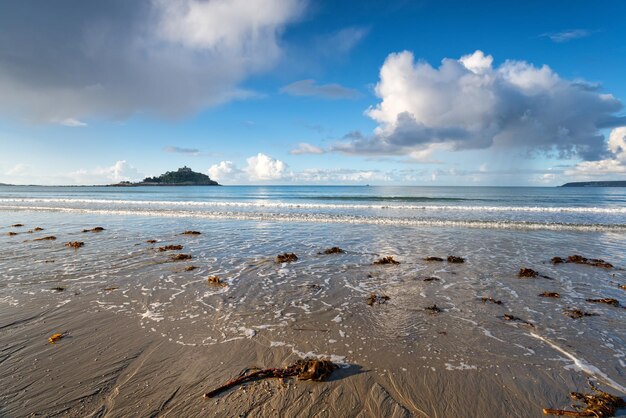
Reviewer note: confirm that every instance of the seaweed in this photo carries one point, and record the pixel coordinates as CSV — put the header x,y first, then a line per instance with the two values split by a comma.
x,y
180,257
431,279
527,273
333,250
190,268
48,238
11,233
57,337
433,259
152,241
433,309
37,229
550,295
508,317
286,258
386,260
96,229
58,289
110,289
596,404
378,299
492,300
608,301
17,225
170,248
75,244
216,280
306,369
579,259
191,233
577,313
455,259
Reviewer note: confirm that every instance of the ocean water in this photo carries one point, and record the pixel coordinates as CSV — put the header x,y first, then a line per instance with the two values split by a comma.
x,y
484,207
317,305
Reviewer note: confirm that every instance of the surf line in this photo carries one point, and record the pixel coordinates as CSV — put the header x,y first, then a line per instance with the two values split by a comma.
x,y
583,365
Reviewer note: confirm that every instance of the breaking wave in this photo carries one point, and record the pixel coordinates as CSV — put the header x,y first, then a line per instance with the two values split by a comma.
x,y
326,218
148,204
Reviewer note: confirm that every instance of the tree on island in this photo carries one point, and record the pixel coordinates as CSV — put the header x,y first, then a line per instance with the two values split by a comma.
x,y
184,175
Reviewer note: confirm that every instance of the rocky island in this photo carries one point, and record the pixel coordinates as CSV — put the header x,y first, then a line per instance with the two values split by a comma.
x,y
182,177
596,184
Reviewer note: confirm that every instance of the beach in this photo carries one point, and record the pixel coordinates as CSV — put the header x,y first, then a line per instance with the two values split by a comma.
x,y
144,334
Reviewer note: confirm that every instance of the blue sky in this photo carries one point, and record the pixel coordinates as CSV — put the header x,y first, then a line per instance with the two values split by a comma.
x,y
303,92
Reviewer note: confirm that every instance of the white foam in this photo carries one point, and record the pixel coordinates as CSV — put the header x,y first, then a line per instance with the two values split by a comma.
x,y
582,365
461,366
290,205
326,218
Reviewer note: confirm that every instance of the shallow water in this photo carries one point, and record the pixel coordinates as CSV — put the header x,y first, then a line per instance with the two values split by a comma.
x,y
317,305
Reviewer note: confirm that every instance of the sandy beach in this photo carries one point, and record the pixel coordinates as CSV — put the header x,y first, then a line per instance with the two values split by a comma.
x,y
148,336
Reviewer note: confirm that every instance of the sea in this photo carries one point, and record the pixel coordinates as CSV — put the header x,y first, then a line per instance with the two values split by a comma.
x,y
496,230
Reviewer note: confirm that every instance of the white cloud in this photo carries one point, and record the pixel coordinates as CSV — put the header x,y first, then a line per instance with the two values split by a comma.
x,y
262,167
120,171
306,148
181,150
244,27
259,168
607,167
470,104
18,170
165,57
341,176
224,171
69,122
567,35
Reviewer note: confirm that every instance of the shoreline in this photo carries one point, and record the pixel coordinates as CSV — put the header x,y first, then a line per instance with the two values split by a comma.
x,y
146,336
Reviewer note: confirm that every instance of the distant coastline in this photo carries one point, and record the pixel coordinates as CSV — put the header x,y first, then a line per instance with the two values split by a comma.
x,y
619,183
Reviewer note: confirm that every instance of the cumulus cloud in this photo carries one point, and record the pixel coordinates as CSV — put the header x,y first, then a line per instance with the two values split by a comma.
x,y
567,35
262,167
468,103
259,168
117,57
181,150
225,170
325,91
615,164
306,148
120,171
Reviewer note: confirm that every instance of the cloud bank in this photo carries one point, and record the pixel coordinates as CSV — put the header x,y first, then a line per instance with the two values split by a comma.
x,y
468,103
115,58
262,168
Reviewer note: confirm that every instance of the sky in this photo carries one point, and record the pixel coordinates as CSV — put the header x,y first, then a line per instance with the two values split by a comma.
x,y
484,93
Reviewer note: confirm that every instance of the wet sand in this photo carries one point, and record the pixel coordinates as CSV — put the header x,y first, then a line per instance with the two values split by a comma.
x,y
164,336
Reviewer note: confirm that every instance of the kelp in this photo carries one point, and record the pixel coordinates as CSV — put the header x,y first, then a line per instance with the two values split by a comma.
x,y
306,369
